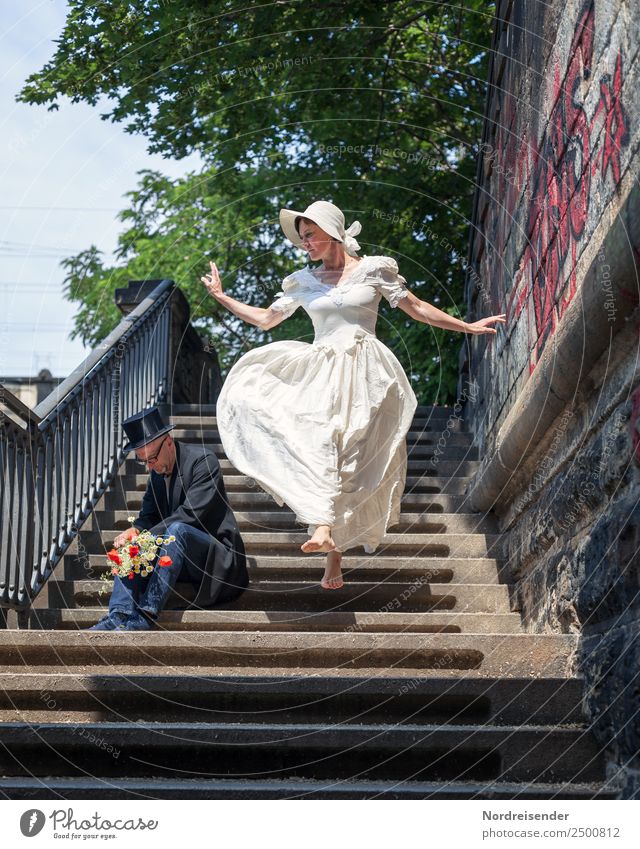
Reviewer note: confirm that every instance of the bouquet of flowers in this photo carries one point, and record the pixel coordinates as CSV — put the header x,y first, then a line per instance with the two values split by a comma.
x,y
138,555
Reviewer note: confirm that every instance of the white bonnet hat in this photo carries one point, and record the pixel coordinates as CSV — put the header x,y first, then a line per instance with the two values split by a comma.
x,y
328,217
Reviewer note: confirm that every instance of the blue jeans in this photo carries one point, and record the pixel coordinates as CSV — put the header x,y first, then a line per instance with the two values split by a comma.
x,y
149,593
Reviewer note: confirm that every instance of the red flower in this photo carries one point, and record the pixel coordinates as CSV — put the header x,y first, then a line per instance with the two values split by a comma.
x,y
165,560
130,576
114,556
114,571
134,550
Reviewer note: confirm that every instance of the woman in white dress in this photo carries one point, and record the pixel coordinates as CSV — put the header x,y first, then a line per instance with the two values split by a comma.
x,y
322,426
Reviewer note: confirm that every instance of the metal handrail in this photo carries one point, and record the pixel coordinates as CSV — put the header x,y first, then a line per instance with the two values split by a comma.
x,y
54,470
15,406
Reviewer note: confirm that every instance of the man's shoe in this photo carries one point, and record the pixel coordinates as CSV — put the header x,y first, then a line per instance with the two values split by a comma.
x,y
138,622
115,621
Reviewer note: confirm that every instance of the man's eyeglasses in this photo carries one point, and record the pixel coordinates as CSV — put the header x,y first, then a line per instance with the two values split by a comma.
x,y
153,457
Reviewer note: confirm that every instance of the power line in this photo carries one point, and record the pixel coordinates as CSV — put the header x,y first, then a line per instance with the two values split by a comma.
x,y
9,243
23,289
24,326
36,254
64,208
18,248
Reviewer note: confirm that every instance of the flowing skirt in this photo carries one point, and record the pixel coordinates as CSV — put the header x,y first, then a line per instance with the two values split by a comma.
x,y
322,427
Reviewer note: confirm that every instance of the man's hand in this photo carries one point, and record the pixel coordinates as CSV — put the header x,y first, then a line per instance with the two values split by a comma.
x,y
125,537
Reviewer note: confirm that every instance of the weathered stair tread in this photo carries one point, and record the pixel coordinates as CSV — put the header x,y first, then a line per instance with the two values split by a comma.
x,y
259,620
472,570
420,446
284,541
384,596
428,436
224,672
480,654
420,483
243,750
425,698
53,787
253,498
454,545
284,518
169,408
461,541
416,435
452,468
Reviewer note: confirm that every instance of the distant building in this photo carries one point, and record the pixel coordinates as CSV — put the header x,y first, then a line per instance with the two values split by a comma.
x,y
32,390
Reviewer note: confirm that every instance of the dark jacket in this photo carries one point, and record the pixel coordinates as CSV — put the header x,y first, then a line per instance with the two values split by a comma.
x,y
198,498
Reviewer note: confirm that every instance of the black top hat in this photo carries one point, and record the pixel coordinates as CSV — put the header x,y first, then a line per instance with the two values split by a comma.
x,y
144,427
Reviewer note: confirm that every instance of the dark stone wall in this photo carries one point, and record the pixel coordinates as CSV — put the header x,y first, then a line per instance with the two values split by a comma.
x,y
558,172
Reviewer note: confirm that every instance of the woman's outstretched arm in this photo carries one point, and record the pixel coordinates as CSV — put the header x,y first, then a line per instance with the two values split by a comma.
x,y
428,314
265,319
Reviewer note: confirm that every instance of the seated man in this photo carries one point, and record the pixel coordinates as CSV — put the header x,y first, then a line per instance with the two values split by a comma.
x,y
185,498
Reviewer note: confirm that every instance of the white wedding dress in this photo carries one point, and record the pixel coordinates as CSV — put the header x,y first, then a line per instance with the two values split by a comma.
x,y
321,426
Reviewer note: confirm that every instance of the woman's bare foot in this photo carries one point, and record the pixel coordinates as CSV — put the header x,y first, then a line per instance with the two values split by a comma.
x,y
320,541
332,578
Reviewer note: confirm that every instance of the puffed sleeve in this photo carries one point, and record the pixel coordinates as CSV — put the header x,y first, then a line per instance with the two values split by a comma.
x,y
287,301
392,284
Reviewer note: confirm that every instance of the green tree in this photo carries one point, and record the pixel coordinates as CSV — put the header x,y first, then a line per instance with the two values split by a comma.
x,y
375,106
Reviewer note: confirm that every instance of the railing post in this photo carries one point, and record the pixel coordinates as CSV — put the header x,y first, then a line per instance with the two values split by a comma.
x,y
17,509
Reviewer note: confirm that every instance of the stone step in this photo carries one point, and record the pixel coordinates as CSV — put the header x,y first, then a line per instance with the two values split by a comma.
x,y
267,595
449,697
288,543
296,620
368,568
312,750
443,545
421,443
415,484
423,411
447,468
284,519
419,446
426,434
118,498
87,787
425,452
212,653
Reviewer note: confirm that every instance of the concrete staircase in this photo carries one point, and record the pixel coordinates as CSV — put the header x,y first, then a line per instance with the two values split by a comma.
x,y
414,680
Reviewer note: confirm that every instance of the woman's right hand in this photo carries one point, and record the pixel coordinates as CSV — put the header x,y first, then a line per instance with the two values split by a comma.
x,y
212,281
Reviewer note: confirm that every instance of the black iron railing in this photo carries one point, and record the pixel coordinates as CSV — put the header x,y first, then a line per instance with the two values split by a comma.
x,y
57,461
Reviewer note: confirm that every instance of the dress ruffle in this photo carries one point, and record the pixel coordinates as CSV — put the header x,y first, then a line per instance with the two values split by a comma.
x,y
380,270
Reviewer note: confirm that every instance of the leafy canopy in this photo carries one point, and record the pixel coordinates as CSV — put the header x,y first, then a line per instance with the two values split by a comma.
x,y
374,106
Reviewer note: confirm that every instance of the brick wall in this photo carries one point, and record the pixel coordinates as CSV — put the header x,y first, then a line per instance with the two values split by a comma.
x,y
555,245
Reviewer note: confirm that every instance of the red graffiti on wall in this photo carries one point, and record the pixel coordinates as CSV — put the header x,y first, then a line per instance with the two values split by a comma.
x,y
559,172
616,126
634,424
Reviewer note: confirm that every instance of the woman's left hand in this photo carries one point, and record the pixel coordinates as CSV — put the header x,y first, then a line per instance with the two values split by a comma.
x,y
482,326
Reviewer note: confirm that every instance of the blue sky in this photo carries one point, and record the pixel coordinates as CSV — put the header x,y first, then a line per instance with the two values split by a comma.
x,y
63,175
